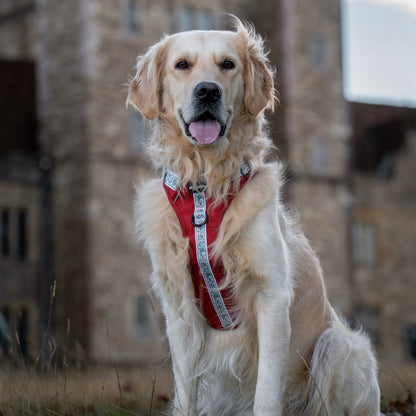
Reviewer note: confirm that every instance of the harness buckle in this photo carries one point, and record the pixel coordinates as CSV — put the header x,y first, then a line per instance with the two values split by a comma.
x,y
197,189
199,224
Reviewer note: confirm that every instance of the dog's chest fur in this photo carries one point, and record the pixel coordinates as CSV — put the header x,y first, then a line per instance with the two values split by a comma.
x,y
236,244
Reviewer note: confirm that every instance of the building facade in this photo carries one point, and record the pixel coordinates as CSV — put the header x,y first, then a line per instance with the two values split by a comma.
x,y
73,192
383,226
23,187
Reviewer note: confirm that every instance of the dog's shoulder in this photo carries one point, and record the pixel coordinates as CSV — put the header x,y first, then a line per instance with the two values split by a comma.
x,y
152,208
150,194
269,175
264,187
260,193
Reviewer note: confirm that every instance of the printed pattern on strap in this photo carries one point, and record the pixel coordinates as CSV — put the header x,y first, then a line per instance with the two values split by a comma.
x,y
170,178
245,168
203,261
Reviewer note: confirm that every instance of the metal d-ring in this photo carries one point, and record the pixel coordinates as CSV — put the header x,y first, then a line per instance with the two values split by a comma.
x,y
199,224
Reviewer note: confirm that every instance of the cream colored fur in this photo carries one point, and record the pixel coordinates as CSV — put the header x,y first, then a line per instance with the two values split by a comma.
x,y
290,354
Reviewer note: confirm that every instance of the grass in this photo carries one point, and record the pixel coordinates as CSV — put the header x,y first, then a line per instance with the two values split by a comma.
x,y
124,391
398,388
406,407
56,389
69,410
48,386
93,391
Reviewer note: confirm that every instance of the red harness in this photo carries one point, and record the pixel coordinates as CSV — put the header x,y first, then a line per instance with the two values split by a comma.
x,y
200,220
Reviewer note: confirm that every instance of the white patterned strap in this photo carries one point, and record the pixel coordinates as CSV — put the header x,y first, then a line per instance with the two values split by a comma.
x,y
202,255
170,178
245,168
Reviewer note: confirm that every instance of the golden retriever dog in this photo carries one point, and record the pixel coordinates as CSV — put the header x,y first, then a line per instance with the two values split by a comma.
x,y
250,328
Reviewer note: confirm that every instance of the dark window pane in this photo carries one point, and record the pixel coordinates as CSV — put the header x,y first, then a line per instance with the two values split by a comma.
x,y
22,235
5,238
411,340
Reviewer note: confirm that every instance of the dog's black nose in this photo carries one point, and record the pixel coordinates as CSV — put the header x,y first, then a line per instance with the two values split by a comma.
x,y
207,92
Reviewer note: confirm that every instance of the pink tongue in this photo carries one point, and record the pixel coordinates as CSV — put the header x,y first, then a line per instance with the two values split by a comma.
x,y
206,131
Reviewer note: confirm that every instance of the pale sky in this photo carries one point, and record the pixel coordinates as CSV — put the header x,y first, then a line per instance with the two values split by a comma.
x,y
379,41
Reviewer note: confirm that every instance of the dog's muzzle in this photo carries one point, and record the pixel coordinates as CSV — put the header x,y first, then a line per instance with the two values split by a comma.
x,y
206,126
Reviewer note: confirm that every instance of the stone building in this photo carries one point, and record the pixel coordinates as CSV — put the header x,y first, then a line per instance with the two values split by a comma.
x,y
23,200
316,134
383,226
69,184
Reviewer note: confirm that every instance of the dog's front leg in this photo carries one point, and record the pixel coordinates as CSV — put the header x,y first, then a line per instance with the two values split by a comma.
x,y
273,331
272,266
185,350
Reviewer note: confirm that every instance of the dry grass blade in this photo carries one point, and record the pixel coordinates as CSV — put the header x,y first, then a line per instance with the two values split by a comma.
x,y
48,326
152,396
315,384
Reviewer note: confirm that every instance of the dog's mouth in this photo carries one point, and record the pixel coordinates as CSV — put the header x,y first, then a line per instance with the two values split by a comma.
x,y
205,129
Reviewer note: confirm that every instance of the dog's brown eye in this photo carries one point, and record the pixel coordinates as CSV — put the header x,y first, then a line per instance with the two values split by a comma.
x,y
182,64
227,64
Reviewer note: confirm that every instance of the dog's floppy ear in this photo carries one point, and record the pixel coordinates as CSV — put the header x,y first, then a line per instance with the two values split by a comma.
x,y
145,91
258,74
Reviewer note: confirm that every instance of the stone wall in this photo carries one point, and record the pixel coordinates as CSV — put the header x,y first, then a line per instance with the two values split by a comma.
x,y
17,30
20,265
384,264
20,191
84,52
83,68
316,134
63,101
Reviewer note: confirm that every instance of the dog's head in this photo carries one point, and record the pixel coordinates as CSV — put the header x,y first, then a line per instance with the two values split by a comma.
x,y
204,80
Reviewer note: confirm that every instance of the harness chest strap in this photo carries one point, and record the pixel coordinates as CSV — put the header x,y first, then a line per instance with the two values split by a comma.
x,y
200,220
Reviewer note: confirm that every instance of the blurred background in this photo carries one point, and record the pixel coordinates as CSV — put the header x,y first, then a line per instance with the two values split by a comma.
x,y
72,279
